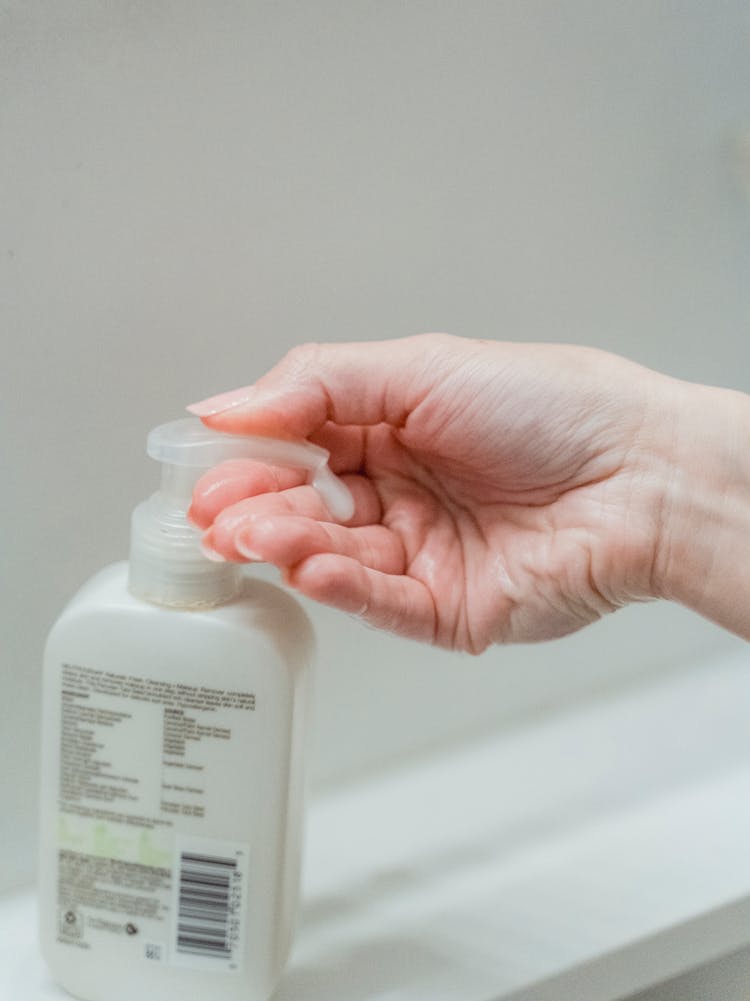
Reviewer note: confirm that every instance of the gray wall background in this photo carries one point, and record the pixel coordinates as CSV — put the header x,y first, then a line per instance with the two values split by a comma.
x,y
725,979
188,189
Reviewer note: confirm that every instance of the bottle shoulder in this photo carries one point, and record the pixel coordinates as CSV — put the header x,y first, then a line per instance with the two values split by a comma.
x,y
261,609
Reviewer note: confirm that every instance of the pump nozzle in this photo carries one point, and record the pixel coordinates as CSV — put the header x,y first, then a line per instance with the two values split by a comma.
x,y
166,563
188,444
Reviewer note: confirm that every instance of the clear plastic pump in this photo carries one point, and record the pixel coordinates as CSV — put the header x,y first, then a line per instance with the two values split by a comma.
x,y
166,563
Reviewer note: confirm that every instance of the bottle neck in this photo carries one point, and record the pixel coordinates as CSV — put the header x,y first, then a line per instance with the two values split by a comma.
x,y
167,566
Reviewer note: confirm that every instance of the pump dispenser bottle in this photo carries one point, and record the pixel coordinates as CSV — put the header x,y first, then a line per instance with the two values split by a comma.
x,y
174,697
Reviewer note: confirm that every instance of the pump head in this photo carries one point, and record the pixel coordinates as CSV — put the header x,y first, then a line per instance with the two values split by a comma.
x,y
166,563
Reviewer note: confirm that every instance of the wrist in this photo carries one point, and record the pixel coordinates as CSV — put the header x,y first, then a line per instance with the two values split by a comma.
x,y
702,553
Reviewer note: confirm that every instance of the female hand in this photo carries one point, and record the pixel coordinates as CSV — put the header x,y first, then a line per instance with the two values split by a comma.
x,y
504,492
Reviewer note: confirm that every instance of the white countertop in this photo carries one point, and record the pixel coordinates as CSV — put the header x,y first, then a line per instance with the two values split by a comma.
x,y
580,858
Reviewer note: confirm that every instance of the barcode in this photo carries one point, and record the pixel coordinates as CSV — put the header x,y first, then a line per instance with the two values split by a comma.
x,y
208,902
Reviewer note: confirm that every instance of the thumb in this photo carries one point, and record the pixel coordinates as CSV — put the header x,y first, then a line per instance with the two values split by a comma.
x,y
362,384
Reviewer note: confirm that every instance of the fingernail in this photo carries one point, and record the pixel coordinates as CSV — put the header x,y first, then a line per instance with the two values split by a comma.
x,y
211,554
217,404
243,547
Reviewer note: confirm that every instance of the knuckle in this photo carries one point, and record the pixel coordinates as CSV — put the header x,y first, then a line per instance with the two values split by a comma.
x,y
302,356
438,339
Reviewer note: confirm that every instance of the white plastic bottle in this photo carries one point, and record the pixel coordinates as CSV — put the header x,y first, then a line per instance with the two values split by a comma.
x,y
171,792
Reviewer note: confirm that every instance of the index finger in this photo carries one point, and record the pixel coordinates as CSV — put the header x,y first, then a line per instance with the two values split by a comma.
x,y
350,384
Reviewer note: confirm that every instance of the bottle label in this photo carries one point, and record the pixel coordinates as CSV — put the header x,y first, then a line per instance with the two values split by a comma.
x,y
146,770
